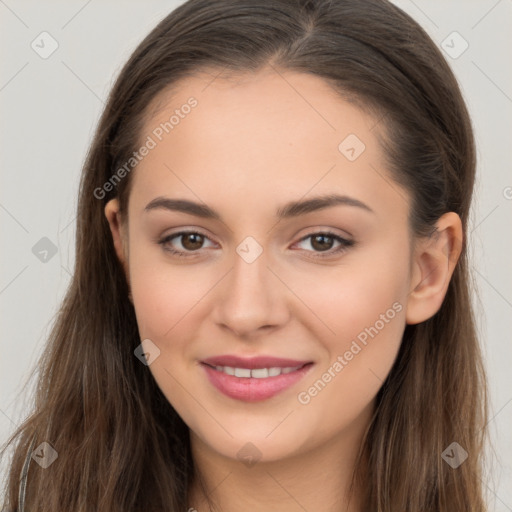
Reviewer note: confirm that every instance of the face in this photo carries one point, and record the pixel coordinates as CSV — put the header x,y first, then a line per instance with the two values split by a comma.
x,y
326,286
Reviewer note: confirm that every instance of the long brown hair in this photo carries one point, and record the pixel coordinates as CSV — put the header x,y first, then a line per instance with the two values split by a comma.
x,y
121,446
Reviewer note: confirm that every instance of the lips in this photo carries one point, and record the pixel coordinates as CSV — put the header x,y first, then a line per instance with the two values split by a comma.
x,y
253,379
253,362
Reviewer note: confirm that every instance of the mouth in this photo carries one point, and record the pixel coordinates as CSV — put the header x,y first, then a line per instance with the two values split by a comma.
x,y
257,362
254,384
256,373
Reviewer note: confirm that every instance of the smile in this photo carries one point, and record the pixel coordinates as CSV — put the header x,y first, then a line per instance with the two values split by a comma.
x,y
257,373
256,384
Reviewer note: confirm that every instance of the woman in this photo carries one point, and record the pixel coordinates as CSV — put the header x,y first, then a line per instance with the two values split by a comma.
x,y
270,308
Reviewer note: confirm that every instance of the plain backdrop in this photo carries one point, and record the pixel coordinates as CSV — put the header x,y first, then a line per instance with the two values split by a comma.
x,y
49,109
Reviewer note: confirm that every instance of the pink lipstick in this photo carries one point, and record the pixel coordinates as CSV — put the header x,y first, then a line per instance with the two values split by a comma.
x,y
254,379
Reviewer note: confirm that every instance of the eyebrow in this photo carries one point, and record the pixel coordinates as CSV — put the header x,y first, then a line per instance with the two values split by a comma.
x,y
289,210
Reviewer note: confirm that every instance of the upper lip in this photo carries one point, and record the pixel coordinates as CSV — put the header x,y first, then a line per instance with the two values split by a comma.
x,y
253,362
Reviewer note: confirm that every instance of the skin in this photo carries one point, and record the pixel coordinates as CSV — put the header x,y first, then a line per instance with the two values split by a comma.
x,y
252,144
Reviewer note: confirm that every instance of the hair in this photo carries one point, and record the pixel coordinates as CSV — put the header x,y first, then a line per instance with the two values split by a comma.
x,y
94,398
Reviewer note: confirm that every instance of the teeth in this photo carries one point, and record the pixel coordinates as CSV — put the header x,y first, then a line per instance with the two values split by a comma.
x,y
242,372
257,373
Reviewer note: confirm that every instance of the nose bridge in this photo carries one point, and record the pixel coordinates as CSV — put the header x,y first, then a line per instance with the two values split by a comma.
x,y
249,270
250,294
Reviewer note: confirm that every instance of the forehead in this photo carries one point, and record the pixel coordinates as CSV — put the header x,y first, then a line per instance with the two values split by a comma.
x,y
259,134
268,101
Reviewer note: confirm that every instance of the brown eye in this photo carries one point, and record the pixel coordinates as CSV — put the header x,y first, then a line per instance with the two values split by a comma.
x,y
323,243
192,241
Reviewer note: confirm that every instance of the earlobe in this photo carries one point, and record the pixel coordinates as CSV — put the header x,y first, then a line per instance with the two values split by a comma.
x,y
435,258
116,228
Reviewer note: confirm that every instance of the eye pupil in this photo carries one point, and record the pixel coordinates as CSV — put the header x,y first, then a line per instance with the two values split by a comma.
x,y
323,245
194,245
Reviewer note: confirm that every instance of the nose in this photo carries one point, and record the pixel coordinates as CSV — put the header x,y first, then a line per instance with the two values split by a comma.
x,y
251,299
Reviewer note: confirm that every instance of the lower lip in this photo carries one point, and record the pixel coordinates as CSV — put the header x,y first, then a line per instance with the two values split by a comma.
x,y
250,389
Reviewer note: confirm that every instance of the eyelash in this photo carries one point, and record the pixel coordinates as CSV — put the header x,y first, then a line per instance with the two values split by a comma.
x,y
344,244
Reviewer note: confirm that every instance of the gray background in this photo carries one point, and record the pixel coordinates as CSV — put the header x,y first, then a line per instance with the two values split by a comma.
x,y
50,106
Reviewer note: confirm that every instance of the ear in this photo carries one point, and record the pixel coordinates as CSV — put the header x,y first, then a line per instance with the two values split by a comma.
x,y
434,261
119,235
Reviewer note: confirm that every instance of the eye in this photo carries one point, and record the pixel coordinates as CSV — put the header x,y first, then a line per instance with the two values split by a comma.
x,y
323,241
191,242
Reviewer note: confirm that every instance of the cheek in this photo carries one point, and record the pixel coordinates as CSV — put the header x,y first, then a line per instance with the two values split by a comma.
x,y
166,294
365,307
343,300
168,303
